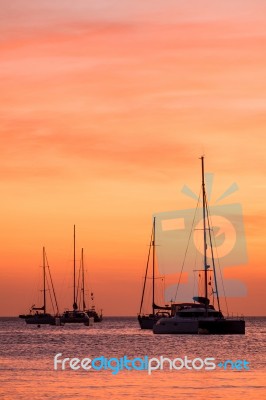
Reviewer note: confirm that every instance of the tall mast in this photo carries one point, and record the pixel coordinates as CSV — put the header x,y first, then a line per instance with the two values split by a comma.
x,y
204,229
153,267
44,279
74,293
83,288
146,273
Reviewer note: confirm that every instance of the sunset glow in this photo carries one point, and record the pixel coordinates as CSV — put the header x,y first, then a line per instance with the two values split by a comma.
x,y
106,108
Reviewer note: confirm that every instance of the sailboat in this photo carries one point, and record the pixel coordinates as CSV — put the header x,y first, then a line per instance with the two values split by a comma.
x,y
146,321
39,315
75,316
200,316
91,312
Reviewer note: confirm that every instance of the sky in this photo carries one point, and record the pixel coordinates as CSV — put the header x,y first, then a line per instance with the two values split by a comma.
x,y
105,110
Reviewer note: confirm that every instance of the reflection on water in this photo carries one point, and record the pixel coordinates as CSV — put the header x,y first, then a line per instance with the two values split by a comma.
x,y
27,353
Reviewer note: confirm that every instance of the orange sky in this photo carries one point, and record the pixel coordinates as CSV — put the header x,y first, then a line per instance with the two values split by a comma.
x,y
105,108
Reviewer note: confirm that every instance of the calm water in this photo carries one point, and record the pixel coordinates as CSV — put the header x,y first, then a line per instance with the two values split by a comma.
x,y
27,370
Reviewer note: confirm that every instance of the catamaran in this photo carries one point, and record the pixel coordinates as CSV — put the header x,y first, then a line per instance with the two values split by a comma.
x,y
200,316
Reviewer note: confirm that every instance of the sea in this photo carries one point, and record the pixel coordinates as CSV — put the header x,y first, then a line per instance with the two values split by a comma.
x,y
177,363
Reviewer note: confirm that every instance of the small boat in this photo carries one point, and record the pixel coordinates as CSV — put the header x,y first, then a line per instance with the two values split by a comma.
x,y
146,321
75,316
39,315
200,317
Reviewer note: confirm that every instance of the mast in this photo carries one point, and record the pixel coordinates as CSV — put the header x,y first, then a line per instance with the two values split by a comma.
x,y
44,283
83,288
146,272
74,293
204,229
153,267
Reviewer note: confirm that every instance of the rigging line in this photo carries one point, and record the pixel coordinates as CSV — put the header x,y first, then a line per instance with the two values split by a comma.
x,y
79,291
221,275
50,276
164,286
190,234
48,288
146,302
82,292
200,286
213,263
194,285
52,303
162,290
194,277
146,272
78,295
195,267
225,298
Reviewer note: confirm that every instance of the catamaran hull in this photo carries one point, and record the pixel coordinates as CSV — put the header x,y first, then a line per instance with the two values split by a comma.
x,y
75,317
85,321
176,327
212,327
74,321
40,320
222,327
